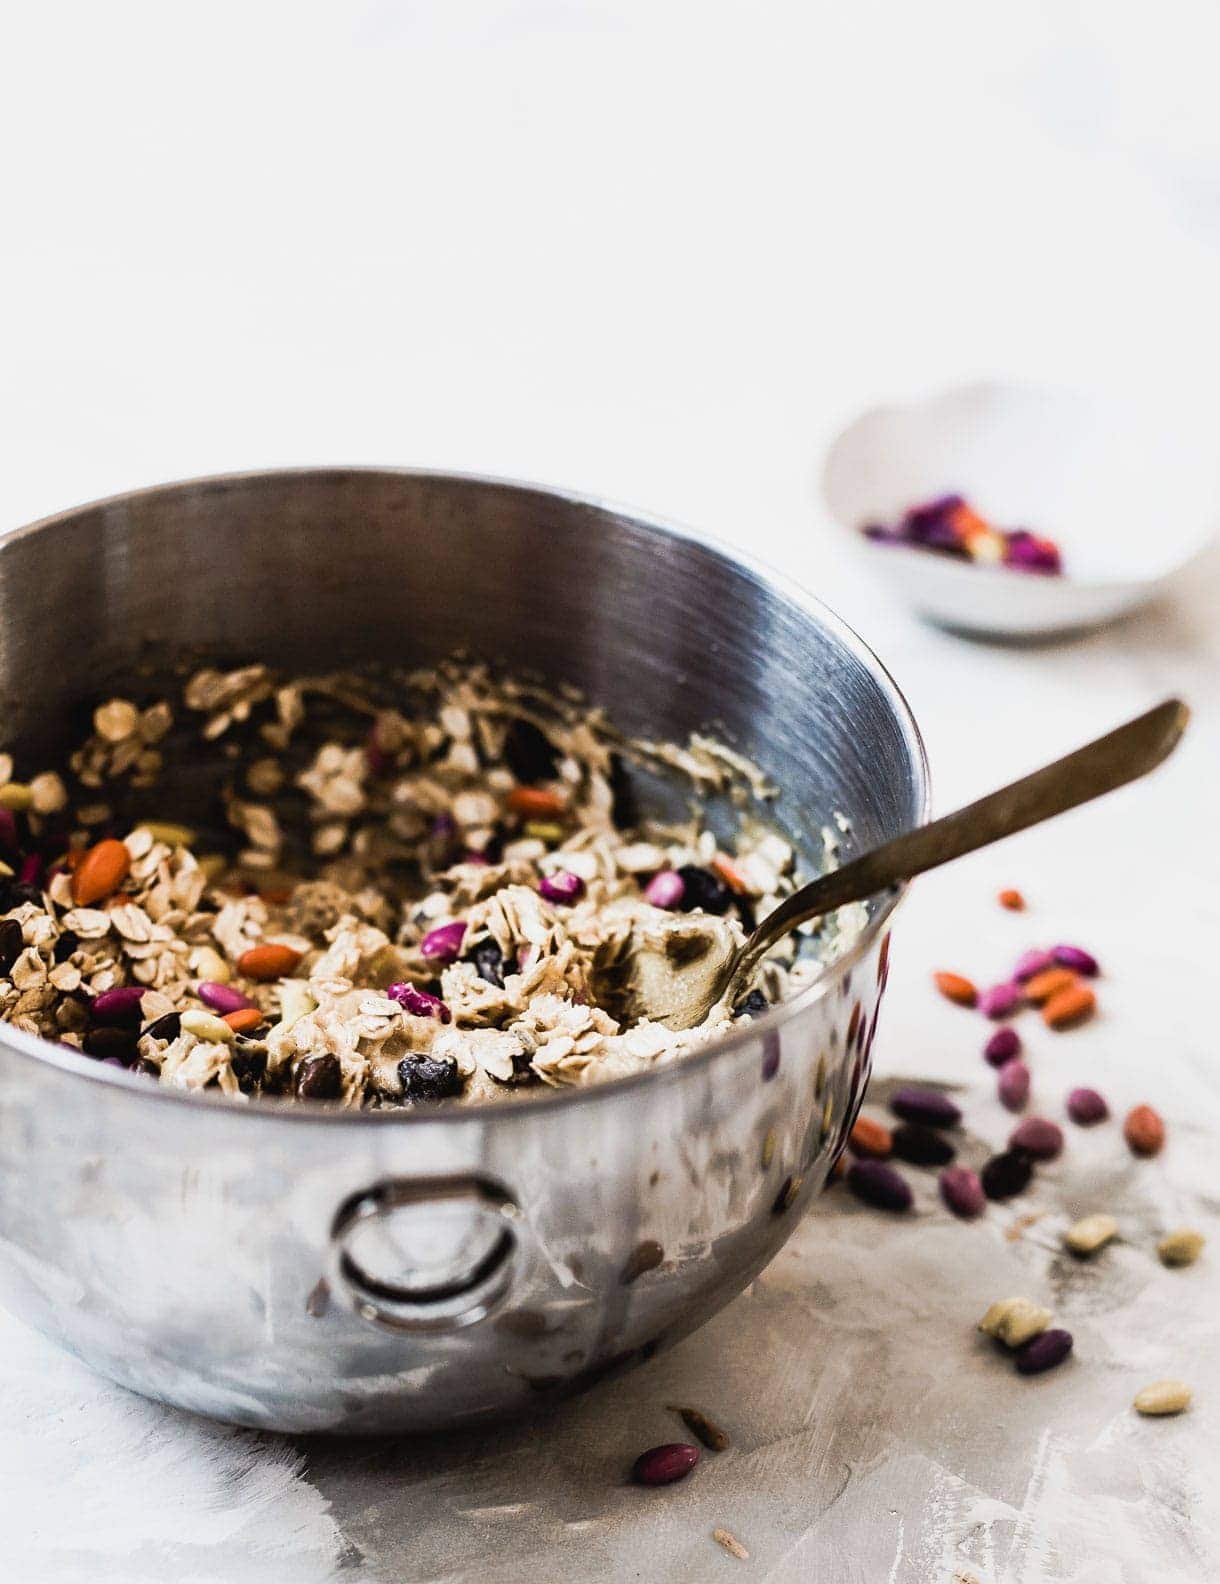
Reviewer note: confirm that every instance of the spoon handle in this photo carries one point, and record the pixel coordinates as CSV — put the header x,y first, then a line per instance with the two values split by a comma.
x,y
1120,756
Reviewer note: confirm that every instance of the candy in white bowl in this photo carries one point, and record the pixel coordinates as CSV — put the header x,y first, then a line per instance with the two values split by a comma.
x,y
1128,489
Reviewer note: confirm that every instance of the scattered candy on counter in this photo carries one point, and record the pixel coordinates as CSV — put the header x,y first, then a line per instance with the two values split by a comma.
x,y
1052,979
950,526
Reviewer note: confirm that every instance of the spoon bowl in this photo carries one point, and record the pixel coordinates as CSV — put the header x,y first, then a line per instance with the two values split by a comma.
x,y
1123,755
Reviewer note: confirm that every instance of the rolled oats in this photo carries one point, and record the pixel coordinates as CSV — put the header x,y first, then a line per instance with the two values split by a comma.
x,y
362,825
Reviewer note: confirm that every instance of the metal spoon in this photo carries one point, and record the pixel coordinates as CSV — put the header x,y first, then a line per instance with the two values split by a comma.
x,y
1120,756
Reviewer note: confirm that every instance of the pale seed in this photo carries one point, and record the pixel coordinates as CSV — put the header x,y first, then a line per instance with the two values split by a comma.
x,y
169,833
116,720
1182,1247
48,793
16,796
1014,1321
731,1544
1090,1233
206,1027
1163,1397
702,1428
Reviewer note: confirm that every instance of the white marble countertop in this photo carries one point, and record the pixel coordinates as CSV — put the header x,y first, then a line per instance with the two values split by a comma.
x,y
658,252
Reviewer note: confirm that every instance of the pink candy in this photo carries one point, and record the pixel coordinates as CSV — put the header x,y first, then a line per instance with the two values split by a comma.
x,y
443,944
962,1191
665,890
418,1002
1086,1107
563,886
223,998
1032,962
1000,1001
1038,1137
1012,1084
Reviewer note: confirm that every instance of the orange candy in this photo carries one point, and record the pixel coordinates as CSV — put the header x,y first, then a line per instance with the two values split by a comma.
x,y
730,873
268,961
535,803
100,872
870,1138
1044,986
244,1019
1069,1007
1012,900
956,988
1144,1130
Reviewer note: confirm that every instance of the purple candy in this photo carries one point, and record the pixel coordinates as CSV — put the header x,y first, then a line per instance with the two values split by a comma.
x,y
665,890
962,1191
1043,1352
1086,1106
1076,958
8,830
418,1002
1032,962
563,886
30,872
443,944
1012,1084
929,1106
1003,1045
223,998
1000,1001
1038,1137
118,1006
879,1185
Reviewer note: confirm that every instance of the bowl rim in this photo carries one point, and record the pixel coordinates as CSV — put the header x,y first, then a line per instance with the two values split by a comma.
x,y
546,1099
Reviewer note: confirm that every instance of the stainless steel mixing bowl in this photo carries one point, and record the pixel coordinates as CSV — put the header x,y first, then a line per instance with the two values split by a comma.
x,y
295,1268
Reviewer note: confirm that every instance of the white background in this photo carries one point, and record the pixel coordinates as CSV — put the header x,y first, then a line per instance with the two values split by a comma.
x,y
658,251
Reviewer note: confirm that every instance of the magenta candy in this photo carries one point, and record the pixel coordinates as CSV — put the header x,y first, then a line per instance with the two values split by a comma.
x,y
8,830
443,944
30,872
1032,962
665,890
118,1006
1027,552
962,1191
1038,1137
1077,959
223,998
1086,1106
563,886
1012,1084
1001,1000
418,1002
929,1106
662,1465
1003,1045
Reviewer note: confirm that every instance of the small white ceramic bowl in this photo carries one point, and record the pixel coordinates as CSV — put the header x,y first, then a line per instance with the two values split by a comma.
x,y
1128,489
